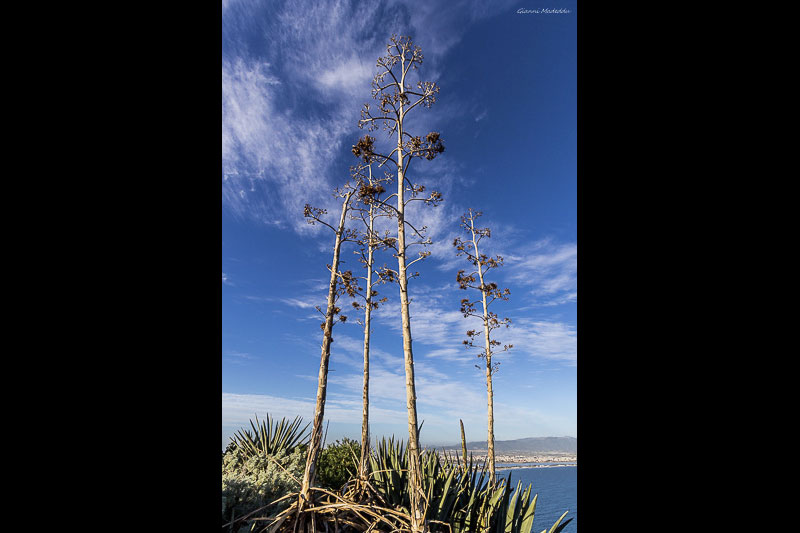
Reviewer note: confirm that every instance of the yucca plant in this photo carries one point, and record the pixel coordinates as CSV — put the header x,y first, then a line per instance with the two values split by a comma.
x,y
270,438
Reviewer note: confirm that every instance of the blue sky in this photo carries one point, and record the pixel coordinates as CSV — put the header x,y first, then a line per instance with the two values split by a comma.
x,y
294,78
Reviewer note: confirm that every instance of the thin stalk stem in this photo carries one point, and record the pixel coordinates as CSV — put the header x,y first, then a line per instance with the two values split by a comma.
x,y
488,356
322,383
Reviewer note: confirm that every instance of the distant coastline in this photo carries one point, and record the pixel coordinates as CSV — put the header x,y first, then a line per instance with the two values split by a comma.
x,y
523,460
536,465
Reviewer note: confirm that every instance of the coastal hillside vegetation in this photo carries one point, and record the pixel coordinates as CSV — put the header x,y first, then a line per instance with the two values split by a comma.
x,y
259,490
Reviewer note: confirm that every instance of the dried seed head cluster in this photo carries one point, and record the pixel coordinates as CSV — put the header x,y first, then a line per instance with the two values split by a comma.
x,y
388,102
368,193
434,145
312,214
387,275
464,280
430,89
364,148
349,283
434,198
400,47
429,148
489,290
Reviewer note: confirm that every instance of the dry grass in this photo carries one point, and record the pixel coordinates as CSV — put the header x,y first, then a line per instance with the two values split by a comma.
x,y
360,508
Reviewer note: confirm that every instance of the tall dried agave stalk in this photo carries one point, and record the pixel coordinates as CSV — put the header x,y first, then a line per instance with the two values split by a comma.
x,y
340,282
463,441
369,191
489,293
396,99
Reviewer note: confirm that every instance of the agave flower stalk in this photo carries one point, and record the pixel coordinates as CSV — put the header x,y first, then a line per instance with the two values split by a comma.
x,y
463,441
369,191
339,282
396,99
489,293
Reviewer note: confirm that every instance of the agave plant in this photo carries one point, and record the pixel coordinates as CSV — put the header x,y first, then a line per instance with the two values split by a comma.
x,y
459,498
269,438
558,526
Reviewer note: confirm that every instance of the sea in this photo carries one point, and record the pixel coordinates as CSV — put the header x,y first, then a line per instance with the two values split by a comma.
x,y
557,487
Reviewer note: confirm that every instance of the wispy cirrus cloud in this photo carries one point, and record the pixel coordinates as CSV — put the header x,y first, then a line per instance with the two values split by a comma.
x,y
237,357
280,140
435,392
239,409
306,302
544,339
294,78
297,302
435,389
548,270
273,160
439,328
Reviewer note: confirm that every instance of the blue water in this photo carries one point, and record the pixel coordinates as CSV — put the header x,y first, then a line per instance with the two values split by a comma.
x,y
557,488
549,463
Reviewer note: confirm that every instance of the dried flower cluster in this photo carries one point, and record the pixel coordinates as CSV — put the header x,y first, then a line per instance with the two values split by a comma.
x,y
313,214
429,148
369,193
364,148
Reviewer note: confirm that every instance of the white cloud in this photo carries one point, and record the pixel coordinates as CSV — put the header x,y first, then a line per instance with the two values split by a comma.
x,y
438,329
243,355
436,389
346,76
238,358
544,339
435,317
272,159
548,270
277,154
448,354
297,302
239,409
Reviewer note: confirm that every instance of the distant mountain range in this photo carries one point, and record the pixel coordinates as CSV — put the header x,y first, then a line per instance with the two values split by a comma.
x,y
527,445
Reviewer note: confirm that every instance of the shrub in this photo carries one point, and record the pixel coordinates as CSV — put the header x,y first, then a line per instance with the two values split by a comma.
x,y
338,463
249,483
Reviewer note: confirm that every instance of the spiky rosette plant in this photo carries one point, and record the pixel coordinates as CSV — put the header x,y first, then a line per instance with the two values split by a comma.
x,y
459,496
269,437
